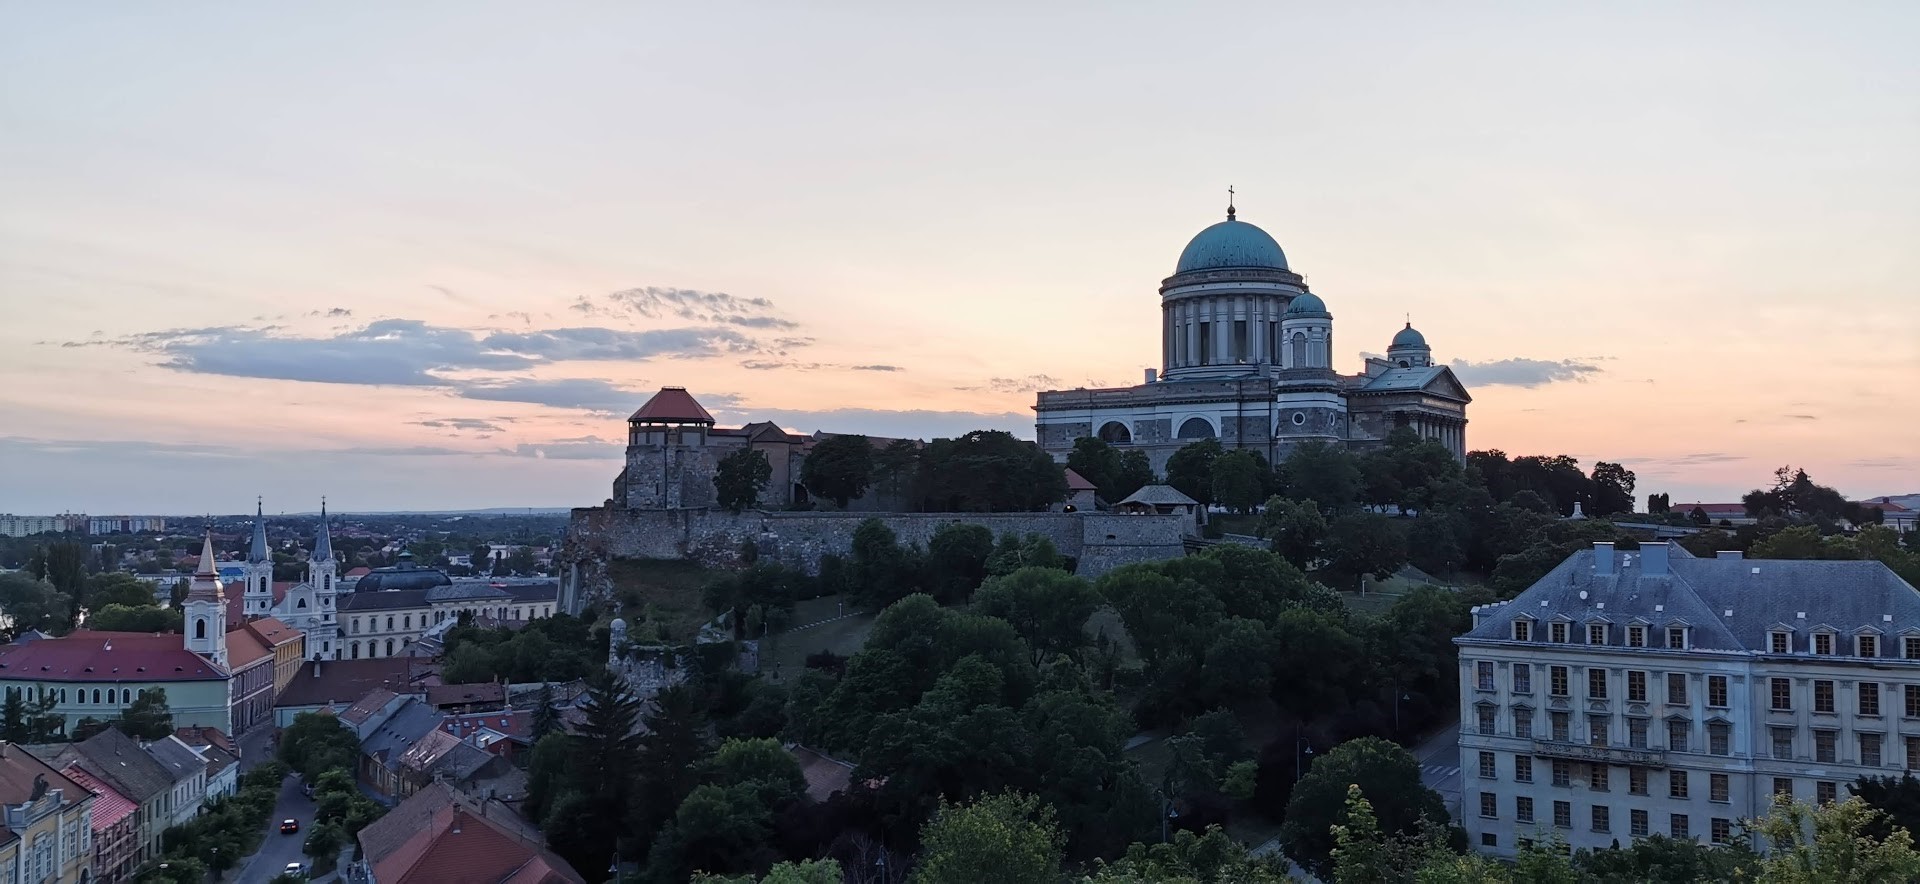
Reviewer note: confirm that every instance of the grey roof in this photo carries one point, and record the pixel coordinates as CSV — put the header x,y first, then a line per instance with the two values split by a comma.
x,y
117,758
1160,495
461,762
407,726
179,759
1403,378
405,575
1730,604
461,592
534,592
384,600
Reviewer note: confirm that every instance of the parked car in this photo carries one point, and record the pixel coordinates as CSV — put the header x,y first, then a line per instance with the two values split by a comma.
x,y
288,827
297,870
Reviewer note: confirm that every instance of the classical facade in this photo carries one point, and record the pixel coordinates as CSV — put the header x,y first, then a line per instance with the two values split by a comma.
x,y
394,607
1627,694
47,818
1247,358
308,606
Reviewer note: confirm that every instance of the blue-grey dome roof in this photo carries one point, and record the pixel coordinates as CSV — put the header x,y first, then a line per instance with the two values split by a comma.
x,y
1231,243
1307,302
1409,337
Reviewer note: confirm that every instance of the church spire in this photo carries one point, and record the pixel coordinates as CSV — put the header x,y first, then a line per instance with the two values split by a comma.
x,y
257,552
206,568
323,541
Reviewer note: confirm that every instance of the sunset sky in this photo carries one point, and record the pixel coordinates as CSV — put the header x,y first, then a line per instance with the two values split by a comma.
x,y
428,256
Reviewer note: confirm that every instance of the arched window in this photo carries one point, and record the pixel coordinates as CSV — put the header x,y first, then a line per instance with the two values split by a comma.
x,y
96,696
354,647
407,621
1115,432
389,647
301,604
1300,350
200,627
1196,428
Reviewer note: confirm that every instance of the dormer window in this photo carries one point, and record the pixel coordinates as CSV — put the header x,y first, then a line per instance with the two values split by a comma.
x,y
1779,642
1596,633
1866,645
1523,630
1636,636
1823,643
1677,637
1910,646
1557,632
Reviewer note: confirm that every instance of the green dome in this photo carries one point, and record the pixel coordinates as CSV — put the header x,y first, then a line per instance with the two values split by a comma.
x,y
1231,243
1307,303
1409,337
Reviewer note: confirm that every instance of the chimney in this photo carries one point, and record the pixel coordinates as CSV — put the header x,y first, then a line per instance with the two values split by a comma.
x,y
1732,554
1602,558
1653,559
316,669
1152,375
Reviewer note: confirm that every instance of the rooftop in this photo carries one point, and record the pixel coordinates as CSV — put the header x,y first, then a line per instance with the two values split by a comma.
x,y
109,806
672,405
325,682
463,694
88,656
439,835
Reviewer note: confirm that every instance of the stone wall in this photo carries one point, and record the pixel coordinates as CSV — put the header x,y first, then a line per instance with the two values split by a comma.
x,y
716,538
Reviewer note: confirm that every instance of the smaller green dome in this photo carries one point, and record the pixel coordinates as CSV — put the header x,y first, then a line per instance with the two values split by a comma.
x,y
1409,337
1307,303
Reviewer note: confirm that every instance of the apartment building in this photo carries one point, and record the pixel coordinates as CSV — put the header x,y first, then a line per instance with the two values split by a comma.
x,y
1631,693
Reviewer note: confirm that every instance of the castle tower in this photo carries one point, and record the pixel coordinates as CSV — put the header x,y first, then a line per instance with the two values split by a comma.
x,y
1409,349
257,599
206,609
669,464
1309,401
323,574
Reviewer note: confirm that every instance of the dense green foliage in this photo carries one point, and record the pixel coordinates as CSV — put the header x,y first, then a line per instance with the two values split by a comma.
x,y
838,468
740,477
556,648
228,829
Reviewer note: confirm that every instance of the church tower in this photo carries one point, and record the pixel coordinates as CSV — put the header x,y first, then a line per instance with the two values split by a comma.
x,y
1409,349
323,574
257,599
206,609
1309,401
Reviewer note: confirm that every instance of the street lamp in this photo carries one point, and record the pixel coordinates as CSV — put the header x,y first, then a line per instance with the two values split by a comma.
x,y
1397,697
1301,749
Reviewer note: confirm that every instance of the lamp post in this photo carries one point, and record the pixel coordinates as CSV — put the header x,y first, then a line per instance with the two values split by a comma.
x,y
1167,815
1397,697
1301,749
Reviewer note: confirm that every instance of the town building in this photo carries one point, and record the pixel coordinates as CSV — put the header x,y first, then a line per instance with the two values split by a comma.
x,y
1247,358
308,606
48,834
394,607
27,526
334,686
1632,693
440,835
165,786
103,525
116,840
262,656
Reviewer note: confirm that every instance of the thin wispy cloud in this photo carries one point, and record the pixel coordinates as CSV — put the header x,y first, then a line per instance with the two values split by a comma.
x,y
1517,372
1029,384
693,305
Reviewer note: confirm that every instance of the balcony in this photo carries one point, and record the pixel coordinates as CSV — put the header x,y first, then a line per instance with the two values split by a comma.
x,y
1602,754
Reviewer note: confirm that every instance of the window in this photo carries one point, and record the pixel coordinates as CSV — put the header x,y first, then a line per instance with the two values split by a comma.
x,y
1560,728
1636,636
389,622
406,622
1913,700
1870,750
1597,778
1557,633
1602,818
1823,643
1869,693
1783,786
1563,814
1722,830
1782,743
1719,738
1676,637
1676,784
1676,689
1636,686
1523,768
1483,678
1489,839
1562,772
1557,681
1522,722
1522,630
1677,735
1637,823
356,626
1718,788
1637,733
1913,753
1489,806
1779,642
1523,809
1825,793
1822,695
1486,766
1597,728
1596,684
1677,825
1523,678
1782,694
1717,691
1910,647
1867,645
1596,633
1825,746
1486,719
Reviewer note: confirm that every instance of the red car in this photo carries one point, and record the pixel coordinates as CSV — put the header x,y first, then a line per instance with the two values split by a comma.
x,y
288,827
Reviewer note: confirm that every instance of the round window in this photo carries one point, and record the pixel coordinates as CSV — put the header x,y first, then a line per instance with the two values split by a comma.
x,y
1299,418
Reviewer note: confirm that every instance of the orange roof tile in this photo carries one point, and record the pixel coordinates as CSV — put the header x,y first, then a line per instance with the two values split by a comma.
x,y
672,405
109,806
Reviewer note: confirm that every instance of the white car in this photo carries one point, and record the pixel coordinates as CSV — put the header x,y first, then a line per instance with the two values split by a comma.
x,y
298,870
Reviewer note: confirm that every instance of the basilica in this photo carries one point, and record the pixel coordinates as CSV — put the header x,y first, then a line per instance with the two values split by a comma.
x,y
1247,358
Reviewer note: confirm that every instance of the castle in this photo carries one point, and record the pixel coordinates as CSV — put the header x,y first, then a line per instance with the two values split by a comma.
x,y
1247,358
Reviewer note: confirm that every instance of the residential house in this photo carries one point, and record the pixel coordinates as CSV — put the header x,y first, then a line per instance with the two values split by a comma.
x,y
189,773
335,685
458,698
502,733
116,839
382,748
440,835
165,793
47,839
1082,496
372,711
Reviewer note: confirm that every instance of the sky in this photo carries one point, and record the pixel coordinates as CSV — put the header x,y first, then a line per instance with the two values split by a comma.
x,y
429,255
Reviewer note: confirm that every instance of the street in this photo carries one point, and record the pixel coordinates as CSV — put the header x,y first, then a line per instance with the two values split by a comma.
x,y
1439,759
278,850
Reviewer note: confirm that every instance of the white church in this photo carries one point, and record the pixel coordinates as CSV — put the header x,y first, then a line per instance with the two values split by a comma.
x,y
1247,358
308,606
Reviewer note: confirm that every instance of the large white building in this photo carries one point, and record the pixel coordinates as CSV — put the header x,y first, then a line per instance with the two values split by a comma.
x,y
308,606
1647,692
1248,358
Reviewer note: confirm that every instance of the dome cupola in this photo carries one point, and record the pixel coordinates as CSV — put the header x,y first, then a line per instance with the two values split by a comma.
x,y
1307,304
1409,349
1231,243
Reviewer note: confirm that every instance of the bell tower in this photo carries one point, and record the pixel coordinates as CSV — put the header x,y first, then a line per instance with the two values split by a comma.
x,y
323,574
257,599
206,609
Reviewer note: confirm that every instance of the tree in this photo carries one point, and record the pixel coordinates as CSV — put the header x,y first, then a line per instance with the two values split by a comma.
x,y
1659,859
1191,469
1047,607
1240,480
1000,839
1136,472
1612,489
118,588
839,468
1096,462
1296,528
145,618
1211,857
177,596
34,604
989,471
881,571
762,765
740,477
1013,552
1385,774
324,841
66,568
957,560
546,715
896,468
1839,849
148,717
1328,475
1313,642
1898,798
1363,544
1659,504
813,871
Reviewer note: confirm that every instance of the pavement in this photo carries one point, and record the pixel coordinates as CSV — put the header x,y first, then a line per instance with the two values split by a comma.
x,y
1439,758
278,850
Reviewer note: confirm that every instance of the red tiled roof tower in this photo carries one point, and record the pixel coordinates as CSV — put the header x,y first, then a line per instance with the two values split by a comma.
x,y
672,405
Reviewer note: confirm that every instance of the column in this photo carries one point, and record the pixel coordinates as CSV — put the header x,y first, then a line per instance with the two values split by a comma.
x,y
1222,331
1193,333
